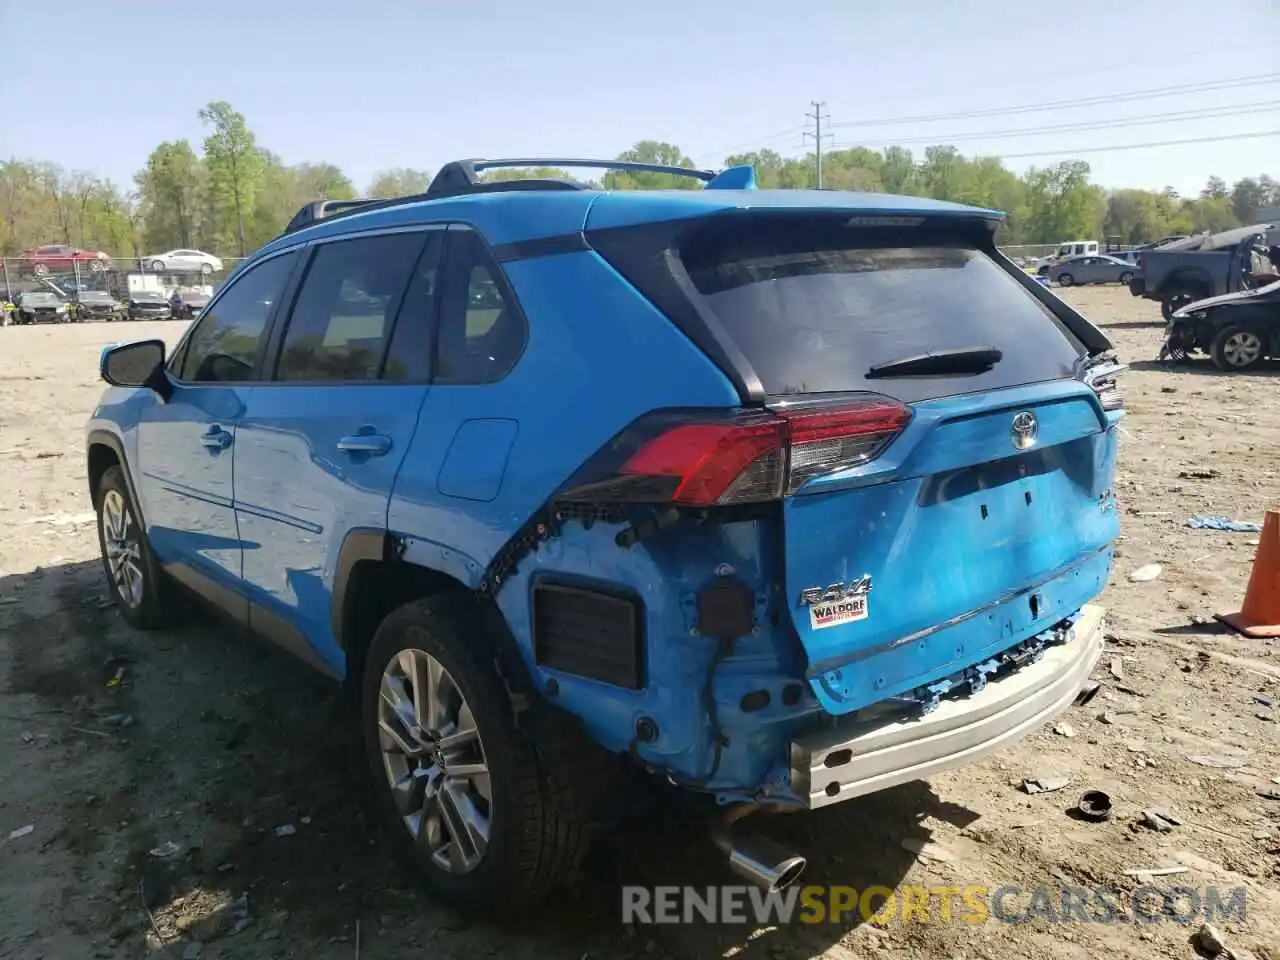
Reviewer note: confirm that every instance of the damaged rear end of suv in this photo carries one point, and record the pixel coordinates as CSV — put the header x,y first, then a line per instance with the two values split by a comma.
x,y
737,500
882,563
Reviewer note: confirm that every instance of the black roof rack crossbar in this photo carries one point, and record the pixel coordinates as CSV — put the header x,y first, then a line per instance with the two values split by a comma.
x,y
326,209
463,176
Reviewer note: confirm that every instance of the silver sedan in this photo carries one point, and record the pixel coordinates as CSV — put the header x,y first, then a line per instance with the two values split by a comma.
x,y
1097,268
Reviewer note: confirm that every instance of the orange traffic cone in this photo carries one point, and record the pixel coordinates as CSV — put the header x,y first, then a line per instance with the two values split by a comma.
x,y
1259,617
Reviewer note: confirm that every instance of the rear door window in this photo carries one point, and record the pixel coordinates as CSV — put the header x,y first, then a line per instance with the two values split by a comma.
x,y
814,310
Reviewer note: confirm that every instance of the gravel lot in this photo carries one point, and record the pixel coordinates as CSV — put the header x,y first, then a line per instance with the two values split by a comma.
x,y
113,743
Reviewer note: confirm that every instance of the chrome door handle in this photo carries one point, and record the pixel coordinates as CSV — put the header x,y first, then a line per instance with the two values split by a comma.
x,y
373,444
216,439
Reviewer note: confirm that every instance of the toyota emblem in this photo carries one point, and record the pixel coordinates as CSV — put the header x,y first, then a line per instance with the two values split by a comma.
x,y
1025,430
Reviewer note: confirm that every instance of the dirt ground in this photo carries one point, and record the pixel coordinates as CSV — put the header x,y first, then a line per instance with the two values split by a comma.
x,y
199,745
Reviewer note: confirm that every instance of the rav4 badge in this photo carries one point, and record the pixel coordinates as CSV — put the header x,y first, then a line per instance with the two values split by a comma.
x,y
838,603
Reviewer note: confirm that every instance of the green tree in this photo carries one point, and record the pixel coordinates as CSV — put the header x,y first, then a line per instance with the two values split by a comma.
x,y
400,182
898,173
169,190
322,181
652,151
1061,204
235,166
1215,189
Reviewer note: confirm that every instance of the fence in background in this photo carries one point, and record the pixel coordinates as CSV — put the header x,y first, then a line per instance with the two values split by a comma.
x,y
1029,251
120,276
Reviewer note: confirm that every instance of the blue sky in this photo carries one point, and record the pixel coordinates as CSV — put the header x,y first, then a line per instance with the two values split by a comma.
x,y
376,85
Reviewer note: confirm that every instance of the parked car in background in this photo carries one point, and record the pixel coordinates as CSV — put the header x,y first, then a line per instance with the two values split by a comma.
x,y
1099,268
40,306
96,305
183,261
58,258
1237,330
190,302
146,305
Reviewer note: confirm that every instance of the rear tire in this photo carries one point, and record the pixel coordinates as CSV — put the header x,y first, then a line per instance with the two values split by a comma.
x,y
533,839
1236,348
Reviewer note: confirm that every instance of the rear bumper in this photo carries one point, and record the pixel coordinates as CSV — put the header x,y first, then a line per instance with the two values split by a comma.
x,y
857,758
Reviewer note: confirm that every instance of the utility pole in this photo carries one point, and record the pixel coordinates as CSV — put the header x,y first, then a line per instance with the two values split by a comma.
x,y
817,117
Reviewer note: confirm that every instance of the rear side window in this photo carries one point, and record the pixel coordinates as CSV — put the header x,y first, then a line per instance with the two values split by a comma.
x,y
482,332
814,310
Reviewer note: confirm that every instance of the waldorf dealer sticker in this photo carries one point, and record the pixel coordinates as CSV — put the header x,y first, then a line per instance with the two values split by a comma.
x,y
836,612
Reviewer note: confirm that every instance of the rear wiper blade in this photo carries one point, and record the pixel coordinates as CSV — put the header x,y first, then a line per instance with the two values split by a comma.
x,y
960,360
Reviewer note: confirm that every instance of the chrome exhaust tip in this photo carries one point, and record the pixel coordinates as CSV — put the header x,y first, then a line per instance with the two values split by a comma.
x,y
759,860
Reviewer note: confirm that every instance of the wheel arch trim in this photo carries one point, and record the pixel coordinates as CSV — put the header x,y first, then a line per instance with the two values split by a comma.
x,y
105,438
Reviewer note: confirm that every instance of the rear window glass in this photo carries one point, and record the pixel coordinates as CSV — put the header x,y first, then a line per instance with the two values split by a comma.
x,y
813,315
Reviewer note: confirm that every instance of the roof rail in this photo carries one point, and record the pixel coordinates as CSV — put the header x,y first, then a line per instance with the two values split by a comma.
x,y
323,209
463,176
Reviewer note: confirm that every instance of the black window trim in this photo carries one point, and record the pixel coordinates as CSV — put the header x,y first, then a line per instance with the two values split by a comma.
x,y
178,357
280,321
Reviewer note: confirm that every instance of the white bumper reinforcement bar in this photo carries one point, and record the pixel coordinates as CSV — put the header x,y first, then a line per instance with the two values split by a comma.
x,y
865,756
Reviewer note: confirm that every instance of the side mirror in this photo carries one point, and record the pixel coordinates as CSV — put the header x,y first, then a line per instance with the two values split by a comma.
x,y
136,364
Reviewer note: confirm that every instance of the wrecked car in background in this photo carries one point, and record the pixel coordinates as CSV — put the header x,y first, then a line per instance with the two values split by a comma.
x,y
1237,330
1206,265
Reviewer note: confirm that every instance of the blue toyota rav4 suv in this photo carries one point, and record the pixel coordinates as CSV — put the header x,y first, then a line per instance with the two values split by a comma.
x,y
773,498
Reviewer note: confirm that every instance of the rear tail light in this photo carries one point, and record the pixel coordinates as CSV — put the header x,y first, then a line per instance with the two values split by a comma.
x,y
699,459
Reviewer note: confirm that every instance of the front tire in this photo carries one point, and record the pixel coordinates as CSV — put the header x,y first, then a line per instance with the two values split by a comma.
x,y
1236,348
1125,278
137,584
1065,280
472,804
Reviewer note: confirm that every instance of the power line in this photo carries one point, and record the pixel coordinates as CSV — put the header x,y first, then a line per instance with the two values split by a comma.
x,y
1143,146
992,84
1159,59
1204,113
817,117
755,143
1151,94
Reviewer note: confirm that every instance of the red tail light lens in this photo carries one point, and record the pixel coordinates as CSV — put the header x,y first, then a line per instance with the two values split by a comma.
x,y
695,460
824,441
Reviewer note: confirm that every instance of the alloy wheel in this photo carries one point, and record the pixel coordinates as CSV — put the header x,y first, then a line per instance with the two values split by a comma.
x,y
1242,349
434,761
123,546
